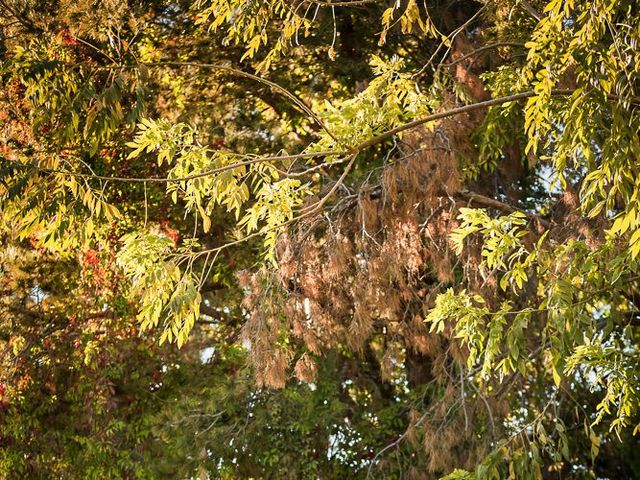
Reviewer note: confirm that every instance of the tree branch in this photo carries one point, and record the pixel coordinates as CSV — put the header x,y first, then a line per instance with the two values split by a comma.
x,y
354,150
483,201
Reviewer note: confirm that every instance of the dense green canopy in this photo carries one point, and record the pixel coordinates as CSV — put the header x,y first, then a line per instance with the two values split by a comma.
x,y
319,239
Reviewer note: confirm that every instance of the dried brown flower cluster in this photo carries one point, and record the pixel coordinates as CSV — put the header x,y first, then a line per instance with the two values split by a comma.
x,y
365,278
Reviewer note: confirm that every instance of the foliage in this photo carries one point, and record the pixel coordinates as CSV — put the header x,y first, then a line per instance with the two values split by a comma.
x,y
369,239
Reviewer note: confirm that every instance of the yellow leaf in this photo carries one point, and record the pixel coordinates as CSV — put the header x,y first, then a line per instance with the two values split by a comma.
x,y
557,379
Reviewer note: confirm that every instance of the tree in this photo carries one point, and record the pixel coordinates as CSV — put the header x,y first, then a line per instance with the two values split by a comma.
x,y
268,239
